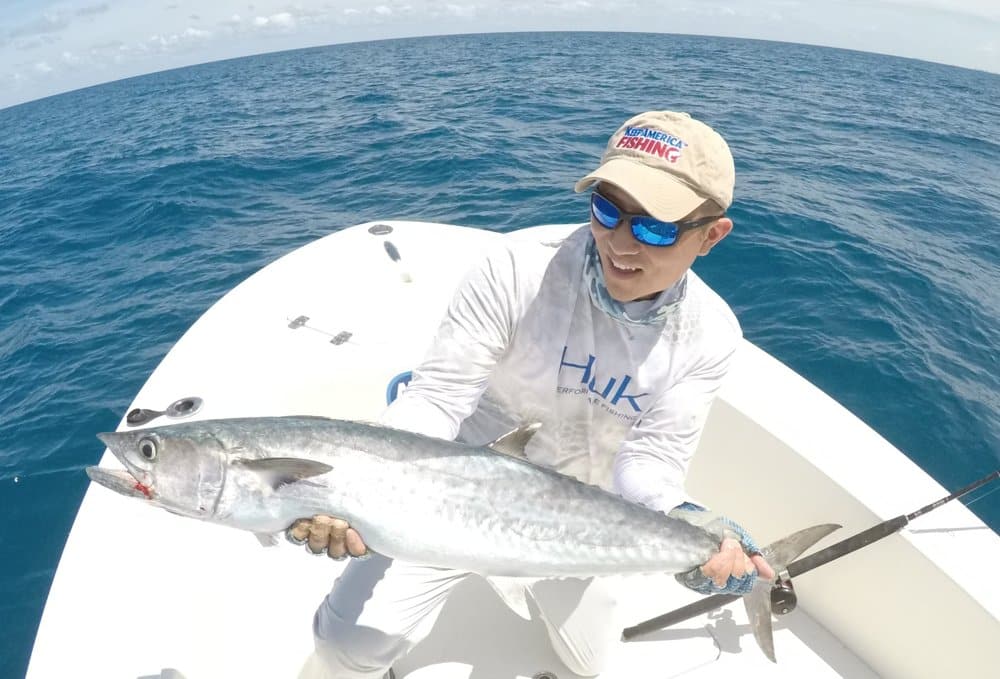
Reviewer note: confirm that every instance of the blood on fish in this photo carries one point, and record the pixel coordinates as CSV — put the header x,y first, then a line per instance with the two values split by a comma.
x,y
143,489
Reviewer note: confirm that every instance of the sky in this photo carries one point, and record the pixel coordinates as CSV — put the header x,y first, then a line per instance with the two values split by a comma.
x,y
51,47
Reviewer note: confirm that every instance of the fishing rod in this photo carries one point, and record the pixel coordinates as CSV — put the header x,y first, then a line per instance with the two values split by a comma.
x,y
782,595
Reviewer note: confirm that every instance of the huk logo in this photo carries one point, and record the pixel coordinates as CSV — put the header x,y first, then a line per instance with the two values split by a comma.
x,y
613,391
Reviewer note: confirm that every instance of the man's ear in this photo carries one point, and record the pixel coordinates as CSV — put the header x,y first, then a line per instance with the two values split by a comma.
x,y
715,233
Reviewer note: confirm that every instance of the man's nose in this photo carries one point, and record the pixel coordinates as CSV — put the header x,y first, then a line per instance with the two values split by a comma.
x,y
622,241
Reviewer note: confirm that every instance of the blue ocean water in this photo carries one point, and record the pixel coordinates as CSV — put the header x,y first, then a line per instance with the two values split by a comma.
x,y
866,253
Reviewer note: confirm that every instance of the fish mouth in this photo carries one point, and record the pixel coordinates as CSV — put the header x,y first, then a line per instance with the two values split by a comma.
x,y
121,482
132,481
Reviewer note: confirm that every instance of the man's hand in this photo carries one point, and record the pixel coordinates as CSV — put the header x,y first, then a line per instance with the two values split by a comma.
x,y
731,560
327,534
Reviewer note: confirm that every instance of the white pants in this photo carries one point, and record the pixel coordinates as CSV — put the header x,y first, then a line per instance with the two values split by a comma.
x,y
379,609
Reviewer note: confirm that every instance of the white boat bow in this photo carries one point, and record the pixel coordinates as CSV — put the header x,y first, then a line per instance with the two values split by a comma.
x,y
140,593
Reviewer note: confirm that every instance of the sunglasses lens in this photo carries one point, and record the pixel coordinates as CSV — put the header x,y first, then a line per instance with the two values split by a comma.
x,y
605,212
645,229
654,232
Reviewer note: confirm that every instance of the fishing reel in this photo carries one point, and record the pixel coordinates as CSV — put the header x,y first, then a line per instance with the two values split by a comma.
x,y
783,597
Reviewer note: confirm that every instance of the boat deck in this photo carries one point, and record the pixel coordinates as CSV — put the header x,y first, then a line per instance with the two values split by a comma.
x,y
139,591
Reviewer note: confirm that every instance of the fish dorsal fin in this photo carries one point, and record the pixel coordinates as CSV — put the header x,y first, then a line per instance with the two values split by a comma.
x,y
279,471
513,442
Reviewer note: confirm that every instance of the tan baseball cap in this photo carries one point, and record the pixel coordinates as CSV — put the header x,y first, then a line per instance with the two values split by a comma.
x,y
669,162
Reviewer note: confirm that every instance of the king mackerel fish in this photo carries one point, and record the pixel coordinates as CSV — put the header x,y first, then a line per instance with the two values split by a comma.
x,y
411,497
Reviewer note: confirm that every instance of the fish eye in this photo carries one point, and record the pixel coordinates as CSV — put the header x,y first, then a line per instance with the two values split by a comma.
x,y
147,448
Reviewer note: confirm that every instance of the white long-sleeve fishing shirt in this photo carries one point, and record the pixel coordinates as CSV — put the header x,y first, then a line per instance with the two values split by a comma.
x,y
622,405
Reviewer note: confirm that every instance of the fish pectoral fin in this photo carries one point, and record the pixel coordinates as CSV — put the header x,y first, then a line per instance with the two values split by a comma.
x,y
513,442
279,471
758,605
266,539
514,593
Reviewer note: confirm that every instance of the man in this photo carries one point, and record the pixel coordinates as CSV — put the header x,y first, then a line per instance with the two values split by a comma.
x,y
611,342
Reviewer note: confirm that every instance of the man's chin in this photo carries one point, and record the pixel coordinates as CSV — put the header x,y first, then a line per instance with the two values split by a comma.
x,y
621,295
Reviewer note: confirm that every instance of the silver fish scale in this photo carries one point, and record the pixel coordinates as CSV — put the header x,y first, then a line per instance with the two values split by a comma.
x,y
447,504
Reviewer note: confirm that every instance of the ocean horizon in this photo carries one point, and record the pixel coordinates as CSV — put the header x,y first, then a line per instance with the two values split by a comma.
x,y
182,67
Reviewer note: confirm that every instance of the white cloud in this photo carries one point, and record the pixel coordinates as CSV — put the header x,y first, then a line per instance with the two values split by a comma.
x,y
55,20
93,10
49,22
166,42
382,10
24,44
464,11
43,67
989,9
110,44
281,20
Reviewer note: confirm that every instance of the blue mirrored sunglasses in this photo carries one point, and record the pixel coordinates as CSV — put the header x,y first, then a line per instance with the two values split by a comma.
x,y
646,229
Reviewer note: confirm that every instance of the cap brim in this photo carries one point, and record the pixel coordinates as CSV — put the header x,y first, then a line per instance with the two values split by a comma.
x,y
662,195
